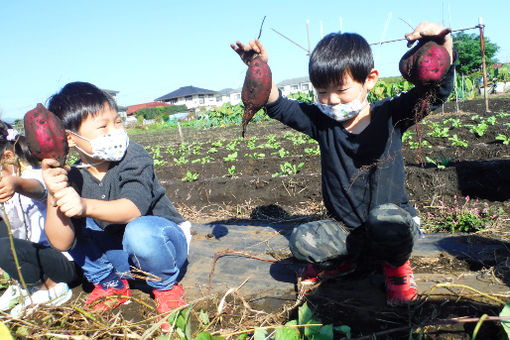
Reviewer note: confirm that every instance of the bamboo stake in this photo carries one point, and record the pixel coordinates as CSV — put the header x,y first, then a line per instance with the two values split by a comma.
x,y
484,66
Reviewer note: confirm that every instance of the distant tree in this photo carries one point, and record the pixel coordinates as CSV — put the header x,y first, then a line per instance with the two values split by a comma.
x,y
470,52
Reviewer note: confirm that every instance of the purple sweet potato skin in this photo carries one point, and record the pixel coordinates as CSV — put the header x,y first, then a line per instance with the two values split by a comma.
x,y
426,64
256,89
45,134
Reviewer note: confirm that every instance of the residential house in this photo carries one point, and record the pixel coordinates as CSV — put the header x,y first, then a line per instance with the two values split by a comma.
x,y
195,97
302,84
191,96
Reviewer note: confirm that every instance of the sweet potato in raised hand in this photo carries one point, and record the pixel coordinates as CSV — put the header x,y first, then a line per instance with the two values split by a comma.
x,y
256,89
45,134
426,64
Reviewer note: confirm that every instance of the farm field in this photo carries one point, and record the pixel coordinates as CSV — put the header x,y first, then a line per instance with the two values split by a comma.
x,y
273,175
465,153
244,196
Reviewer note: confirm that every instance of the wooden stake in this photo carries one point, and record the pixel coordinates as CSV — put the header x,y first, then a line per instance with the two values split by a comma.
x,y
484,66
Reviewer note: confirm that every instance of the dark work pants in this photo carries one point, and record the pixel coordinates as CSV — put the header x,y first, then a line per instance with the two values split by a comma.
x,y
37,262
389,234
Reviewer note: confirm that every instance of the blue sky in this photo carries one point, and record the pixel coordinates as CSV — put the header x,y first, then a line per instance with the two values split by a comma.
x,y
145,49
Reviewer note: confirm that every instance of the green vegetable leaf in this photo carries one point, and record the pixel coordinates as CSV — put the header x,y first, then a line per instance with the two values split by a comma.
x,y
304,314
286,333
506,323
259,334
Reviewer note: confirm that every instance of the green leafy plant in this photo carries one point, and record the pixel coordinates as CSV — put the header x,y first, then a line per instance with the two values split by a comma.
x,y
458,142
233,145
503,138
218,143
304,328
255,155
190,177
407,136
203,160
455,122
491,120
232,170
159,162
281,153
181,160
479,129
212,150
231,157
439,162
468,216
288,169
438,130
250,143
197,148
415,145
271,142
295,138
502,114
313,151
170,150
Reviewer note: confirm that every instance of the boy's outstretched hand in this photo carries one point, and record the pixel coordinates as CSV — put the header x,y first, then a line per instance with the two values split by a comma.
x,y
247,52
432,29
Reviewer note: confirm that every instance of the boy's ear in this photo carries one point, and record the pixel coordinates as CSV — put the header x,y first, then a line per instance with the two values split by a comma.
x,y
70,139
372,79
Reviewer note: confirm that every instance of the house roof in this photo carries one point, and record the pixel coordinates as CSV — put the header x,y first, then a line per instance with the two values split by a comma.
x,y
185,91
293,81
133,108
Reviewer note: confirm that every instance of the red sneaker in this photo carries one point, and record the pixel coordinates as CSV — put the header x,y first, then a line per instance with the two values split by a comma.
x,y
166,300
311,274
108,298
400,284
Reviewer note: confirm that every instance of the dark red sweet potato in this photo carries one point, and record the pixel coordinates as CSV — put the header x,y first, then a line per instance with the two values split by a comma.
x,y
426,64
256,89
45,134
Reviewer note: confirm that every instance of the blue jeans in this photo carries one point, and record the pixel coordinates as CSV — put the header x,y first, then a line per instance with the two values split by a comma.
x,y
150,243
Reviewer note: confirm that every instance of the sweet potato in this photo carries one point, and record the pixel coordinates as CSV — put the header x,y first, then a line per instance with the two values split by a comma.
x,y
426,64
45,134
256,89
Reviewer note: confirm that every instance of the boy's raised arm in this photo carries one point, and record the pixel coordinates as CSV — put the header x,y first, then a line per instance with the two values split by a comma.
x,y
59,228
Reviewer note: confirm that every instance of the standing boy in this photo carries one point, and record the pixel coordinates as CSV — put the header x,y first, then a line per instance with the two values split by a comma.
x,y
363,177
110,209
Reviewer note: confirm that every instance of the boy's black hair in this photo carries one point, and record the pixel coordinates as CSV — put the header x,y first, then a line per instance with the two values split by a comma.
x,y
336,54
76,101
20,146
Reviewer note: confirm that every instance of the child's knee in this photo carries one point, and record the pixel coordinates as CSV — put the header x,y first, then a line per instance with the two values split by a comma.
x,y
319,241
391,229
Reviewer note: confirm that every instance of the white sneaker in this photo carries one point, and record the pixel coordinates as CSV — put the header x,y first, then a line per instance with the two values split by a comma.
x,y
13,295
55,296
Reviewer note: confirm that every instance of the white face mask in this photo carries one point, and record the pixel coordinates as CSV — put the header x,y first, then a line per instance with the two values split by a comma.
x,y
110,147
342,112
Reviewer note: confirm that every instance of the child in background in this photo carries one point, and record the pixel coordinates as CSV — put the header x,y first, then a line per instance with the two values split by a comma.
x,y
363,176
111,211
23,195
